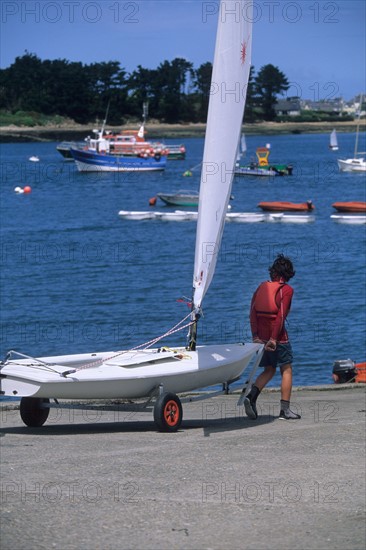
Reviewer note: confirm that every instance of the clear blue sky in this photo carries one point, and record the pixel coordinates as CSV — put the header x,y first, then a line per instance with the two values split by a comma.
x,y
319,45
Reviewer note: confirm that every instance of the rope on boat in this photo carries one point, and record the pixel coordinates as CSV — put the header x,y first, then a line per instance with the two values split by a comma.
x,y
42,365
39,364
141,347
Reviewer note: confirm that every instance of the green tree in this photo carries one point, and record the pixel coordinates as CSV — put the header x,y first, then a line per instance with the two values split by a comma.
x,y
170,86
202,82
250,105
140,90
269,82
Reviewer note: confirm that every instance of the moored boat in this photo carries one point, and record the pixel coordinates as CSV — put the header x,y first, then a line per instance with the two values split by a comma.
x,y
352,165
357,163
90,161
283,206
352,219
350,206
262,167
98,158
281,217
180,198
64,148
137,215
127,143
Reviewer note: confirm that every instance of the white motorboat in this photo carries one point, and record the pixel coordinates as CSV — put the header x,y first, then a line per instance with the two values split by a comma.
x,y
137,215
177,216
280,217
245,217
353,219
152,372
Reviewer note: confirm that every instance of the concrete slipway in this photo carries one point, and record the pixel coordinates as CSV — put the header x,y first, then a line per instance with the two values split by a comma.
x,y
88,480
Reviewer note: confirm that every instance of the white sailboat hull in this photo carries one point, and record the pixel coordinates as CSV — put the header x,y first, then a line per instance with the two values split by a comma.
x,y
126,375
352,165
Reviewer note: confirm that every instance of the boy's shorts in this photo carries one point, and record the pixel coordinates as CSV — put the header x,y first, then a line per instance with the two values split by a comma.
x,y
282,355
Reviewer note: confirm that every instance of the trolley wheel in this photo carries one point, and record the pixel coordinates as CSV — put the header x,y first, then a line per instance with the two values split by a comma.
x,y
32,412
168,412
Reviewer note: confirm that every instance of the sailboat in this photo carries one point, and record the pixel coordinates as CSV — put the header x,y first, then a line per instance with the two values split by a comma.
x,y
357,163
160,373
333,141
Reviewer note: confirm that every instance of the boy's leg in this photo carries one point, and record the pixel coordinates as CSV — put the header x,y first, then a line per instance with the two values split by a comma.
x,y
286,382
251,399
286,387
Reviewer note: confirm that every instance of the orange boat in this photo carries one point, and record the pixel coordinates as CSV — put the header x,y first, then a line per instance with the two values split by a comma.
x,y
282,206
352,206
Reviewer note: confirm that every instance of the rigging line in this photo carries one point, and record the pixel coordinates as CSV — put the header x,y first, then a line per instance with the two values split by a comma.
x,y
145,345
170,331
42,365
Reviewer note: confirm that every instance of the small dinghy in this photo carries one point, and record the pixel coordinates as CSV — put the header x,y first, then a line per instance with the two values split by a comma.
x,y
283,206
147,372
350,206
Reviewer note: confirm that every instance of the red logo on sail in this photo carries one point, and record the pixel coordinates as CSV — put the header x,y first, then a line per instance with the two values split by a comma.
x,y
243,52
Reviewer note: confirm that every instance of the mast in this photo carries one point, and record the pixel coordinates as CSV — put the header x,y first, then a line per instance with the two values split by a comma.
x,y
230,76
358,128
105,118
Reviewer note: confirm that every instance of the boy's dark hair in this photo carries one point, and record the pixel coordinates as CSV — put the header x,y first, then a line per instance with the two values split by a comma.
x,y
282,267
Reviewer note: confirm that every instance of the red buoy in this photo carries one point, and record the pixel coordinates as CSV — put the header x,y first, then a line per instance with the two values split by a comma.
x,y
27,189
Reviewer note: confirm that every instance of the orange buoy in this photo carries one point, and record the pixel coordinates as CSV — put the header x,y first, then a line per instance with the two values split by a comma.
x,y
152,201
27,189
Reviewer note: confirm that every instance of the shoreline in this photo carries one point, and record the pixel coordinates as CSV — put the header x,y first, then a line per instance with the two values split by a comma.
x,y
13,134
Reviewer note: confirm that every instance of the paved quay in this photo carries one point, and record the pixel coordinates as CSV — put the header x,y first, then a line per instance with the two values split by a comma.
x,y
92,480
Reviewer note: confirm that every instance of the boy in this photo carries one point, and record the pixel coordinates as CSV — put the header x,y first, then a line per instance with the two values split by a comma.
x,y
270,306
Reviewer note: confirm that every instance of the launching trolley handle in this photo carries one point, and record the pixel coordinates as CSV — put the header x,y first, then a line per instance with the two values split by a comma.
x,y
248,384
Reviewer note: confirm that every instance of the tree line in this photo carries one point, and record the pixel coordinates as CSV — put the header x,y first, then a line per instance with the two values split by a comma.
x,y
175,90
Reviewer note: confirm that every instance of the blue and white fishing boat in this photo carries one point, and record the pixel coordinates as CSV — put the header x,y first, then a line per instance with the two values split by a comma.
x,y
97,157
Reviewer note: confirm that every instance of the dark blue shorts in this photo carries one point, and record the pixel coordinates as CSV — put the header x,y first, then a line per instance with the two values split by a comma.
x,y
282,355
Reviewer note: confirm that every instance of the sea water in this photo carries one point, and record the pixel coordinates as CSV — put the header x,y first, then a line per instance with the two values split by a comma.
x,y
78,278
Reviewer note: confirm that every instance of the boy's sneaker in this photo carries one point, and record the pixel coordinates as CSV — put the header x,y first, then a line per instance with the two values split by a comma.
x,y
250,408
289,415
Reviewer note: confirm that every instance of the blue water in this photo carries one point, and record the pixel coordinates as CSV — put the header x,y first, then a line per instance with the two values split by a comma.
x,y
77,278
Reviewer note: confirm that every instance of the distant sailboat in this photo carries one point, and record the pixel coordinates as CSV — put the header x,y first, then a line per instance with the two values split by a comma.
x,y
333,144
357,163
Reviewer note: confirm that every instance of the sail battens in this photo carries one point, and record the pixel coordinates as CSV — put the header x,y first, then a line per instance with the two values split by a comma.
x,y
229,83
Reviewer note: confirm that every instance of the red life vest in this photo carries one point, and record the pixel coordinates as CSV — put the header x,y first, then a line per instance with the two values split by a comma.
x,y
265,298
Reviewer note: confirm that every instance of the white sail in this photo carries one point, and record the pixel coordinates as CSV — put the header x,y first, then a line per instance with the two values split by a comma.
x,y
242,148
225,115
333,140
